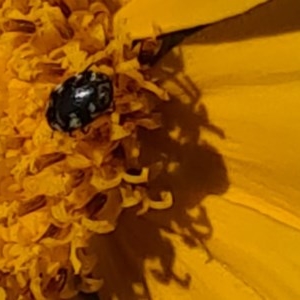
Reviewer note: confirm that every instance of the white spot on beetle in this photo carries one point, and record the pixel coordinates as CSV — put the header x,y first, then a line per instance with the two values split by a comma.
x,y
102,95
93,76
56,126
92,107
75,122
78,77
81,94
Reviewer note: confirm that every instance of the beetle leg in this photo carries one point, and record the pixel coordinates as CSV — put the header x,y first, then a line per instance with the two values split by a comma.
x,y
85,130
71,134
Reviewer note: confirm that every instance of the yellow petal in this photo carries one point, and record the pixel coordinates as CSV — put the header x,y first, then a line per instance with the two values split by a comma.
x,y
209,280
99,227
102,184
35,286
255,104
76,263
60,213
2,294
258,248
39,184
119,132
166,201
146,18
27,224
35,281
249,90
129,197
77,161
90,285
136,179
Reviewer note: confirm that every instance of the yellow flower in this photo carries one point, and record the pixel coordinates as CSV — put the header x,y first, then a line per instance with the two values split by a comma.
x,y
236,193
226,151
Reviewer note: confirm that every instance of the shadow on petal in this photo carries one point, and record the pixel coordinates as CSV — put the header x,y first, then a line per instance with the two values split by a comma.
x,y
272,18
192,170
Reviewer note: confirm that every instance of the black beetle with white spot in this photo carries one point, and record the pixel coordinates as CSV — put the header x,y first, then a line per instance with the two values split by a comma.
x,y
79,100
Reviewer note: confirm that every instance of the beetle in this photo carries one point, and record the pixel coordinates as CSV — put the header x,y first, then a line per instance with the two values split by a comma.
x,y
79,100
